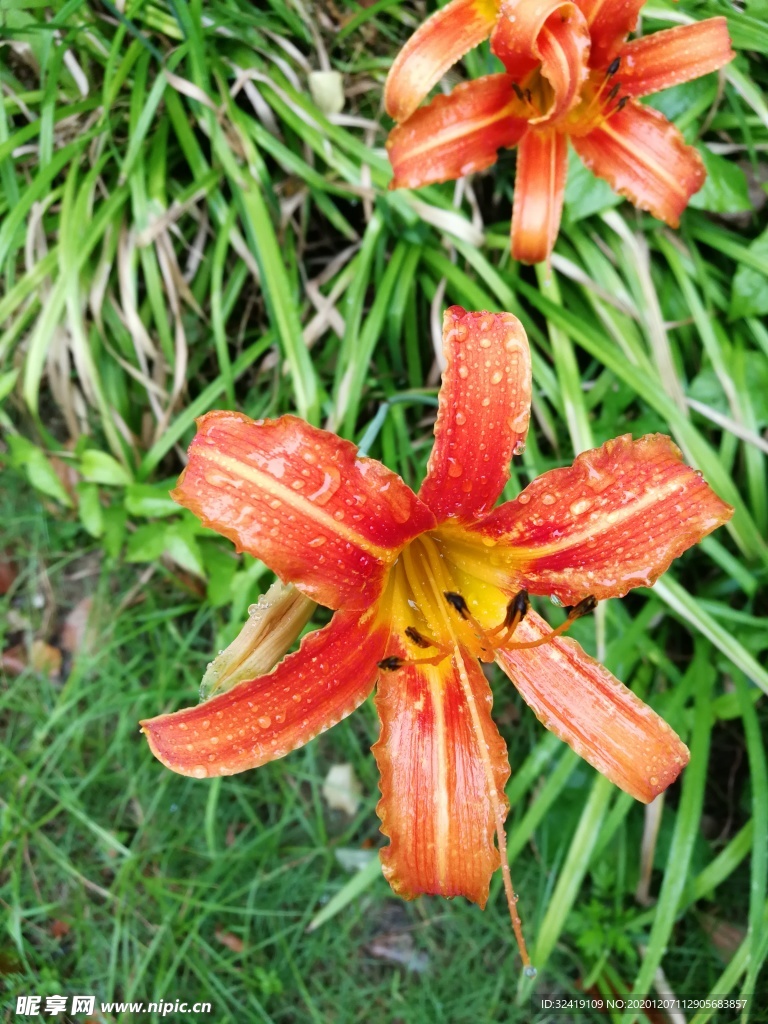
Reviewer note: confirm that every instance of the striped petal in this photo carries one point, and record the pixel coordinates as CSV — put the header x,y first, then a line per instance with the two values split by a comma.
x,y
673,56
542,165
610,22
443,770
303,501
483,415
612,521
330,675
645,158
457,134
553,34
579,700
436,45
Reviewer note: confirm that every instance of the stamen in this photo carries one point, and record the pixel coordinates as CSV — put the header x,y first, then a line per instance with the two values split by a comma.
x,y
415,637
391,664
613,92
518,92
457,602
584,607
516,612
622,103
613,67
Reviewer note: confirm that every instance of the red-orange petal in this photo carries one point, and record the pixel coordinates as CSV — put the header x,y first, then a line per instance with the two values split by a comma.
x,y
437,751
437,44
673,56
457,134
542,165
579,700
610,22
330,675
555,35
482,420
302,500
612,521
645,158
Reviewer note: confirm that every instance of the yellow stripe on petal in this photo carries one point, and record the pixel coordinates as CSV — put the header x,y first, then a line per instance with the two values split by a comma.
x,y
436,45
579,700
542,165
457,134
303,501
645,158
673,56
436,807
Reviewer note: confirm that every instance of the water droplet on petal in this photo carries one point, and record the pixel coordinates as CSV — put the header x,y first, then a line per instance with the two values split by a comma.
x,y
523,498
581,506
264,722
548,499
461,419
318,541
463,372
497,377
455,469
200,771
460,332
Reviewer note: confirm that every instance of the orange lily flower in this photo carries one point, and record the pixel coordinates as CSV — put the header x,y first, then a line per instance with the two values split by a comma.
x,y
570,75
426,587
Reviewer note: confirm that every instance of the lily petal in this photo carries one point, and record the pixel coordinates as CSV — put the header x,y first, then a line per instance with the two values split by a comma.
x,y
579,700
330,675
553,34
437,745
483,414
437,44
457,134
303,501
645,158
610,22
612,521
673,56
542,165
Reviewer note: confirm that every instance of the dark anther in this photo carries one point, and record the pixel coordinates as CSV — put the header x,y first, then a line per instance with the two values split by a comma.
x,y
415,637
516,609
391,664
529,95
622,102
614,90
613,67
518,92
457,601
583,607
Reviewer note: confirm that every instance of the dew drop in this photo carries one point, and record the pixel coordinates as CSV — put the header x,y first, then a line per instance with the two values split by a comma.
x,y
523,498
461,419
460,332
297,484
200,771
485,343
317,542
275,503
530,971
485,402
497,377
581,506
455,469
548,499
264,722
463,372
